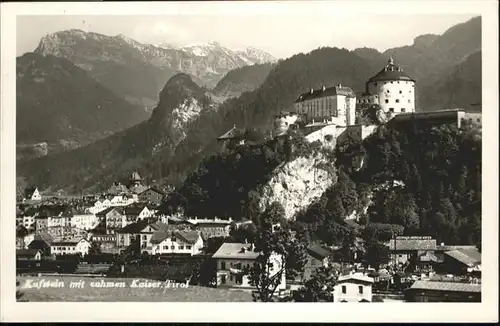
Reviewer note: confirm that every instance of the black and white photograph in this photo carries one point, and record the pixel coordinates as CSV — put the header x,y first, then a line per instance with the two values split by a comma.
x,y
250,152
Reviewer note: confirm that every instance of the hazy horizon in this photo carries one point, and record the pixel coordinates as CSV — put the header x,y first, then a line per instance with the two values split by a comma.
x,y
280,35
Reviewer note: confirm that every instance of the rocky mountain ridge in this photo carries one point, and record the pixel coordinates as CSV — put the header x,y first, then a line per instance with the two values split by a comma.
x,y
137,71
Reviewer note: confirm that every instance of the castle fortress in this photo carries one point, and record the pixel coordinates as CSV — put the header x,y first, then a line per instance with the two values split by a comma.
x,y
332,110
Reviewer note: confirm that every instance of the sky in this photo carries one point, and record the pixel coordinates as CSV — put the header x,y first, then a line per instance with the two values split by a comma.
x,y
282,35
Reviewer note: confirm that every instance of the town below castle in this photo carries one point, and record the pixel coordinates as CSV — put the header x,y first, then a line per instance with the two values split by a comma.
x,y
85,235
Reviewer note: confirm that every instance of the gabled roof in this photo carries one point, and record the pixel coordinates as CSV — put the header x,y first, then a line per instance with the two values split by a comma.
x,y
355,277
326,91
186,236
318,251
412,244
470,259
446,286
137,189
106,211
43,236
232,250
26,252
133,209
233,134
155,190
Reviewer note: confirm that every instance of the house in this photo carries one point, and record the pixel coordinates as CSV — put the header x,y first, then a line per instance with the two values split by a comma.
x,y
32,193
28,254
84,221
42,241
462,262
435,291
232,138
335,105
211,227
317,257
353,288
233,258
151,195
136,213
66,247
406,250
176,242
113,217
125,235
146,232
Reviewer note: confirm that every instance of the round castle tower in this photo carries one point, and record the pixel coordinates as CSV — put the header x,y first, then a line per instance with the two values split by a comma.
x,y
394,90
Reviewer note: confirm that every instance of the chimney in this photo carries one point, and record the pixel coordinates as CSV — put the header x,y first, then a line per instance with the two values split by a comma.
x,y
340,85
324,88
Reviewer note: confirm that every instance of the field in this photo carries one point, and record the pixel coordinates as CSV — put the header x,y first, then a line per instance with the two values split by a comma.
x,y
89,292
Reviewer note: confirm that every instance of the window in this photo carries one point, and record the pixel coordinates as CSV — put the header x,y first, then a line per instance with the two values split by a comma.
x,y
386,101
181,247
391,110
409,101
403,110
172,247
188,247
165,247
239,279
231,278
400,92
222,265
144,237
397,100
223,279
360,289
344,289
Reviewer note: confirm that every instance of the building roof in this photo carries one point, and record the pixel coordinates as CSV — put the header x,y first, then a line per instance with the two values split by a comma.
x,y
109,209
453,247
467,257
233,134
233,250
441,114
155,190
209,222
43,236
26,252
186,236
391,71
135,176
446,286
353,224
133,209
355,277
412,244
326,91
318,251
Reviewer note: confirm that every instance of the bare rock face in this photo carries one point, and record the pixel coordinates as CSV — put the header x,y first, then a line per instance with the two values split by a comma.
x,y
297,184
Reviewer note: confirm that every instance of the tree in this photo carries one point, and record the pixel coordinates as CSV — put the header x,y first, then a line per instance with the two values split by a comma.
x,y
279,254
319,288
376,254
95,248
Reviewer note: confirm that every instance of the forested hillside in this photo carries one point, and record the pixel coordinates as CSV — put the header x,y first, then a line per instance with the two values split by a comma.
x,y
425,181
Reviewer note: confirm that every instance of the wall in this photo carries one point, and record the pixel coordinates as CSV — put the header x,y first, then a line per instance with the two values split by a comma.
x,y
390,91
224,271
352,291
165,247
283,122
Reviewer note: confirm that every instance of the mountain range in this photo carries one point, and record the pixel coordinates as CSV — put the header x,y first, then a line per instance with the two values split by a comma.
x,y
188,118
138,71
